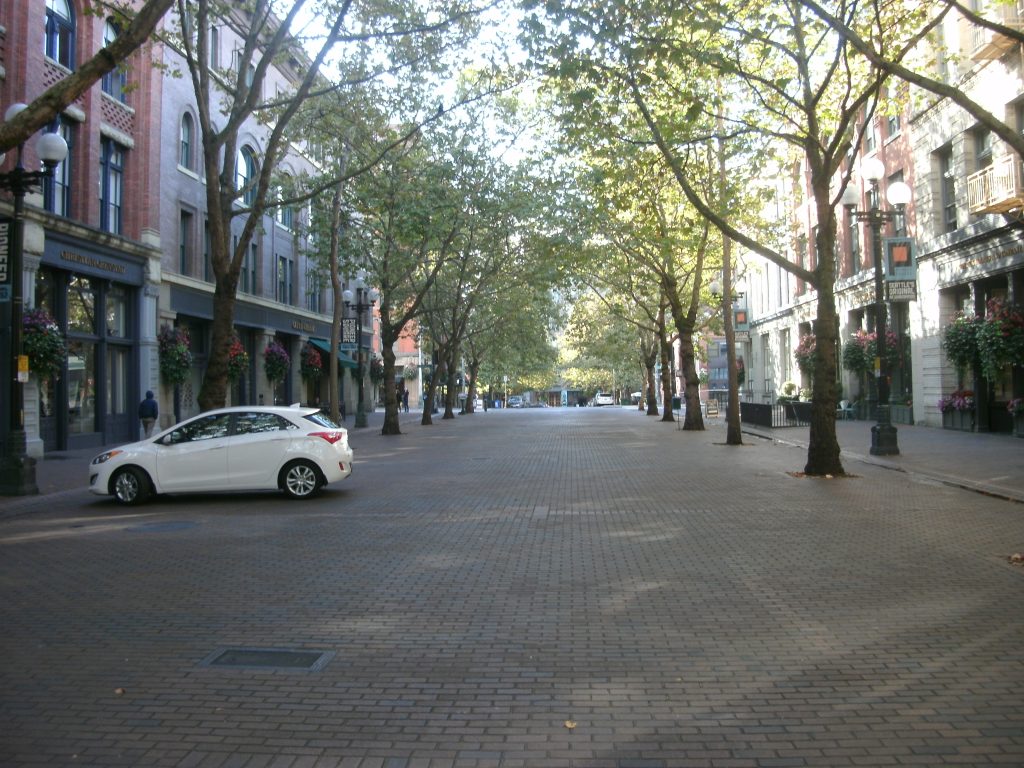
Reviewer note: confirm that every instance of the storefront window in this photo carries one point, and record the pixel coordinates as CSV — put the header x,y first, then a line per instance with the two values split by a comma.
x,y
118,358
81,305
117,315
81,387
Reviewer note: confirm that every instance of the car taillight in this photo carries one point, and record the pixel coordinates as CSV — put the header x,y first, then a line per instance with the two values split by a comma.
x,y
330,437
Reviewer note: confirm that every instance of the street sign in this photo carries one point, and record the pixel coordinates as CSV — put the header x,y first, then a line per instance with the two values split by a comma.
x,y
901,290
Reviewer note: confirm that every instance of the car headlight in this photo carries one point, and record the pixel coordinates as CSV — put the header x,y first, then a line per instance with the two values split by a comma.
x,y
103,458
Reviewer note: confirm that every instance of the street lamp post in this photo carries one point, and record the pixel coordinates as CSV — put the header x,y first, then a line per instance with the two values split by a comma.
x,y
884,440
17,469
360,301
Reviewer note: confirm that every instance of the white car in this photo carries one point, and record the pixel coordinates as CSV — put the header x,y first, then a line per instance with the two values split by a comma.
x,y
297,450
603,398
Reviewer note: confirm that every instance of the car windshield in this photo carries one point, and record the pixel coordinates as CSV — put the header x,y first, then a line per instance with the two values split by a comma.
x,y
323,420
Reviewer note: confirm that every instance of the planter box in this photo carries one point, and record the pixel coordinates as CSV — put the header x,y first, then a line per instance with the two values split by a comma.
x,y
959,420
901,414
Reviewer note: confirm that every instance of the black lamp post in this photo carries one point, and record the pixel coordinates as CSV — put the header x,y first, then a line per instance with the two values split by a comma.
x,y
883,435
17,469
360,301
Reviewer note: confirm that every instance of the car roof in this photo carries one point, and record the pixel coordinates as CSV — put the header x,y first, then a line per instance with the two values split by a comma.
x,y
294,409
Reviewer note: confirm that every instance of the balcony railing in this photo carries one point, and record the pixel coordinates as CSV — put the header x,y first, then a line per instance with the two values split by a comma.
x,y
987,44
996,189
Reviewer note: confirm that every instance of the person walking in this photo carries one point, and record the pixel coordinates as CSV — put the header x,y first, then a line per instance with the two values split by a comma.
x,y
148,412
405,400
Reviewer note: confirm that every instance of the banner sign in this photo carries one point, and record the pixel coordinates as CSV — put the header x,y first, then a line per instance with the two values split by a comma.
x,y
348,330
5,259
899,259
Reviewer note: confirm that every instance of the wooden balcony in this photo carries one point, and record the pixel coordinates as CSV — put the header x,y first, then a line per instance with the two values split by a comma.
x,y
986,44
996,189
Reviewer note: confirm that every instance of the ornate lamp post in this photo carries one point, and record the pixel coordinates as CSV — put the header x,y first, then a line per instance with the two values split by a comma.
x,y
883,435
18,470
360,301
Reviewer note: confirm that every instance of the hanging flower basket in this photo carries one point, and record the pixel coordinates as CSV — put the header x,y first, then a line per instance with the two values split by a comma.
x,y
312,364
860,351
1000,339
804,353
175,347
43,343
376,370
276,362
238,359
960,342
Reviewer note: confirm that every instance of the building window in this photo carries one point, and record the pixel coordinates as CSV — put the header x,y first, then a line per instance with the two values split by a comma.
x,y
214,48
57,188
185,243
187,141
853,241
947,196
248,276
893,125
115,81
285,214
111,186
313,292
245,175
60,33
284,279
870,137
982,149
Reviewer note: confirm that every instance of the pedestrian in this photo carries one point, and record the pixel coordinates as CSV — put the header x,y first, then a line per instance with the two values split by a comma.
x,y
405,400
148,412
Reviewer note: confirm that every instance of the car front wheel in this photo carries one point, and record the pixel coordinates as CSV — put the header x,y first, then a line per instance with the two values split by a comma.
x,y
300,480
130,486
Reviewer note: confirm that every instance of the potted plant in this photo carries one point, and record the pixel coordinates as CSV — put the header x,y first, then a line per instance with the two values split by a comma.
x,y
311,364
958,410
276,362
238,359
43,343
1016,409
175,347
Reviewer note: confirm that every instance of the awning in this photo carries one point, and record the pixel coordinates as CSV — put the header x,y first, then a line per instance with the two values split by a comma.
x,y
344,358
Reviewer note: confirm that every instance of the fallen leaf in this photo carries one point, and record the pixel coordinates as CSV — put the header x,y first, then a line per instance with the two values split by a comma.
x,y
570,724
120,691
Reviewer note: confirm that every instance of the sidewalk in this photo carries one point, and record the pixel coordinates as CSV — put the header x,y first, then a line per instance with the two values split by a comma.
x,y
984,462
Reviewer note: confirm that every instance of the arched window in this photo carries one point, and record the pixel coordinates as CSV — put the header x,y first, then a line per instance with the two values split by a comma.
x,y
60,33
115,80
245,174
187,141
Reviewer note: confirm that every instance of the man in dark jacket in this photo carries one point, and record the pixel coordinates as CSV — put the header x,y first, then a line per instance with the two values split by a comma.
x,y
148,412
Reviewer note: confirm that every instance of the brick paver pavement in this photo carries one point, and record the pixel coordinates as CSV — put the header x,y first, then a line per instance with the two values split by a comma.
x,y
580,587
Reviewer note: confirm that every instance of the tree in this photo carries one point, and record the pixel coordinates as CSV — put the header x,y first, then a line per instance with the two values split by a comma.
x,y
779,74
230,101
136,30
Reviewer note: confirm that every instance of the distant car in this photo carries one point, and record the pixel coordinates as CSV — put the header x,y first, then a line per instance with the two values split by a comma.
x,y
603,398
515,401
297,450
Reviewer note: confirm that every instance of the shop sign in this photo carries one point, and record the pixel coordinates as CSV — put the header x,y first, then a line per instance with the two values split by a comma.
x,y
901,290
900,263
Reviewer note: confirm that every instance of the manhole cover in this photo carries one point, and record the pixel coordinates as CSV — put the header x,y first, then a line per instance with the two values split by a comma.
x,y
268,658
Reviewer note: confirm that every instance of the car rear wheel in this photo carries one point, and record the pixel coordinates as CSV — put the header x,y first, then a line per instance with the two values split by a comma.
x,y
300,480
130,486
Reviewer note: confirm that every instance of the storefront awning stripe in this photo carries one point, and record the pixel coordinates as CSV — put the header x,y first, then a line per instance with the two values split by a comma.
x,y
344,358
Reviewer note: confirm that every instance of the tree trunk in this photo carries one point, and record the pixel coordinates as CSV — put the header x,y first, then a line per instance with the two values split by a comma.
x,y
694,419
214,391
453,375
391,425
666,379
823,446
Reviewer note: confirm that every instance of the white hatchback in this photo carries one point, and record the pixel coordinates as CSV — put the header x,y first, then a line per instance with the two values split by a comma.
x,y
297,450
603,398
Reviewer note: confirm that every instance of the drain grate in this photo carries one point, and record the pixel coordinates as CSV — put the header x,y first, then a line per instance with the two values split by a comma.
x,y
268,658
